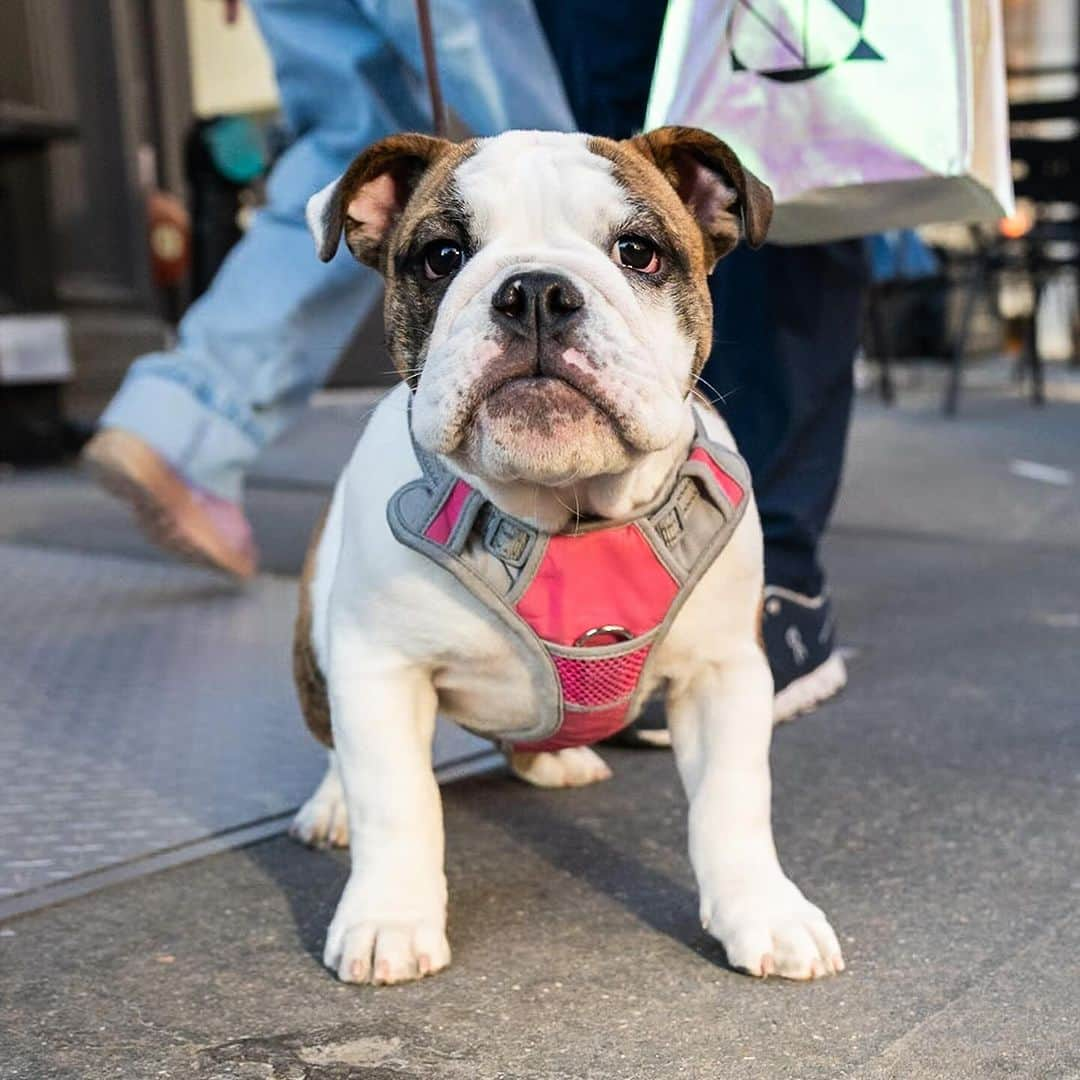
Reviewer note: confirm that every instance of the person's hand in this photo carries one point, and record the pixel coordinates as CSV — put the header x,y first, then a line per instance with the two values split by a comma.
x,y
232,10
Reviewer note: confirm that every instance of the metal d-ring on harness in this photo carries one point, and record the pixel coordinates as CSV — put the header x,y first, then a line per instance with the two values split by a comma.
x,y
619,632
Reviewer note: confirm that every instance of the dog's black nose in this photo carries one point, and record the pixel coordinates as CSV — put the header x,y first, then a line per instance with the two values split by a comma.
x,y
537,303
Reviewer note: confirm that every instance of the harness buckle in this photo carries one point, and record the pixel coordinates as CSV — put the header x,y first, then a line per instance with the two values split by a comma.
x,y
507,540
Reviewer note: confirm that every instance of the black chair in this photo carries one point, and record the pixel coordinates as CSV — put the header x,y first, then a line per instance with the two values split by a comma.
x,y
1045,147
905,317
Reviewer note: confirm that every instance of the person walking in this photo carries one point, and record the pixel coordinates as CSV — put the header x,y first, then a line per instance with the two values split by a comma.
x,y
786,324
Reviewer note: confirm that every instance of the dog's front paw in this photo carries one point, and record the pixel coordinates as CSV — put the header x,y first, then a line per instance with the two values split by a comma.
x,y
386,952
322,821
770,928
362,947
573,767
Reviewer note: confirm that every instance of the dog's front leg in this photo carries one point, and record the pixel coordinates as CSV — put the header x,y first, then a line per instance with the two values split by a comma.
x,y
390,924
721,726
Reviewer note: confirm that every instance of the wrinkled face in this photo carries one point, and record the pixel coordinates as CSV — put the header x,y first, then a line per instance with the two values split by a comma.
x,y
546,296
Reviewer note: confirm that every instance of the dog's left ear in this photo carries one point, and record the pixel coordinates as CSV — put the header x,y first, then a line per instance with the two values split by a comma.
x,y
368,199
713,183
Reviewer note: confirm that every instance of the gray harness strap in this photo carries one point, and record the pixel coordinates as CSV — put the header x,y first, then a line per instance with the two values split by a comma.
x,y
497,556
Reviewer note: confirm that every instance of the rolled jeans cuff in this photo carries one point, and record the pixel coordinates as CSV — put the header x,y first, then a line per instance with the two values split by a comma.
x,y
191,430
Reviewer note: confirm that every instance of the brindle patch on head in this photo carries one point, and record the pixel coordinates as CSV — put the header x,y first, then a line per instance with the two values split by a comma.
x,y
667,221
395,197
434,212
367,199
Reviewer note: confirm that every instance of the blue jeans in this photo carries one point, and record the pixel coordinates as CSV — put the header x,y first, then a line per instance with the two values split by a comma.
x,y
785,329
267,333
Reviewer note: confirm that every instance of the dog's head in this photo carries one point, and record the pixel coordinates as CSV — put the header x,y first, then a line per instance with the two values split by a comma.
x,y
545,293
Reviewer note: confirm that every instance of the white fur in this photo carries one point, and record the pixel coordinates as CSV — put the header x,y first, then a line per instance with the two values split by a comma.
x,y
398,637
323,821
575,766
315,213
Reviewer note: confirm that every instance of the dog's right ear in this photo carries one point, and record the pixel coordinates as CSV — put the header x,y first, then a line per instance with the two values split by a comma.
x,y
368,199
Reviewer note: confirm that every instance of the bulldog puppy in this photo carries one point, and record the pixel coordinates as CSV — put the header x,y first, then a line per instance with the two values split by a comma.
x,y
546,305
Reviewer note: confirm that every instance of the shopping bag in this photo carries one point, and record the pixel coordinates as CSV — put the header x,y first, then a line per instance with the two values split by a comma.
x,y
862,115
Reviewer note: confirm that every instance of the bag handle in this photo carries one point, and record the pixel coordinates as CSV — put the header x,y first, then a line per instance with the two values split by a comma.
x,y
431,68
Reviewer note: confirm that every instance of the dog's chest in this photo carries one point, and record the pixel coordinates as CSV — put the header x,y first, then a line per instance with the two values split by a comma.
x,y
581,613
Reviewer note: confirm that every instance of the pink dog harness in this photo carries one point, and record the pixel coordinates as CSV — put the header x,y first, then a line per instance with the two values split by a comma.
x,y
585,608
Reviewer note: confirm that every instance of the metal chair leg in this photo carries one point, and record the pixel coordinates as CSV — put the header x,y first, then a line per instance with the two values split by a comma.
x,y
886,385
877,334
952,388
1032,359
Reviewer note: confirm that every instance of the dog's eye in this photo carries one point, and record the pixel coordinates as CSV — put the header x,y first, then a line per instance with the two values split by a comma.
x,y
636,253
442,258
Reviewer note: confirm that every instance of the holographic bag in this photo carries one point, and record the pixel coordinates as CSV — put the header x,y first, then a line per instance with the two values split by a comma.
x,y
862,115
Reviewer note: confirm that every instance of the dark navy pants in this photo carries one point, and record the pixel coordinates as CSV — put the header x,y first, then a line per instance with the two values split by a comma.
x,y
786,318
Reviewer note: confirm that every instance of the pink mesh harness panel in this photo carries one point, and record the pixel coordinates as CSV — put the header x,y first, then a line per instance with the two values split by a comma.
x,y
609,578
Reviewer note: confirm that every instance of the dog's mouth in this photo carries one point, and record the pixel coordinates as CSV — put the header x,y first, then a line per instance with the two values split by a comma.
x,y
541,401
541,429
542,396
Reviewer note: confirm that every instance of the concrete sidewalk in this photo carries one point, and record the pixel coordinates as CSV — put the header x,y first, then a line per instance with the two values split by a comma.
x,y
932,811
